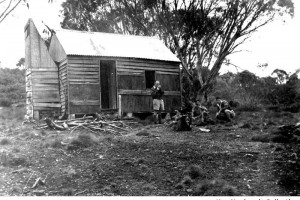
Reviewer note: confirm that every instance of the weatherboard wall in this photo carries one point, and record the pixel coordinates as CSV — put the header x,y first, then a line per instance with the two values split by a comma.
x,y
84,85
135,97
81,77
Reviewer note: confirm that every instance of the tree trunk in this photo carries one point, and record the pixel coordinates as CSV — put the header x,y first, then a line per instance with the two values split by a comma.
x,y
213,74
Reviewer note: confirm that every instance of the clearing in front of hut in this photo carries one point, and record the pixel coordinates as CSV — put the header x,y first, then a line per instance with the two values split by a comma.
x,y
149,159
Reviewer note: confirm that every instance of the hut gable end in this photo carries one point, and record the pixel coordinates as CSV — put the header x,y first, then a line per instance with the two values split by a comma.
x,y
42,89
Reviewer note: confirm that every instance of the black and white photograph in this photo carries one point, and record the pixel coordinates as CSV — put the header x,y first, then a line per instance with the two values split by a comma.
x,y
150,98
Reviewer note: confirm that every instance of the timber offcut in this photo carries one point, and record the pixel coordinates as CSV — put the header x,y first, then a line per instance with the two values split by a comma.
x,y
86,72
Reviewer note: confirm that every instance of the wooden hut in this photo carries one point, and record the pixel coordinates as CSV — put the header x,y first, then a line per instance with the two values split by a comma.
x,y
88,72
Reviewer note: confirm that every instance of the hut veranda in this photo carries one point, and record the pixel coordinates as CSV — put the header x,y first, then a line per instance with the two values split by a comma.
x,y
87,72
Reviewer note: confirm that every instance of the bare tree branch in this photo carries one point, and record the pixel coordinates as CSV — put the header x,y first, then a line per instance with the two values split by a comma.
x,y
8,11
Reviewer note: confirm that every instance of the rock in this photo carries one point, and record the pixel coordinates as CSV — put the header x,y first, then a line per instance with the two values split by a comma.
x,y
189,190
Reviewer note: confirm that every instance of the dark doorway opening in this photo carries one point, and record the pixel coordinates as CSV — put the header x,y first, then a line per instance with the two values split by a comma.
x,y
150,78
108,84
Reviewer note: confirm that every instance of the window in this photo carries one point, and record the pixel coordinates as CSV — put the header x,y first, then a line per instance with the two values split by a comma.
x,y
150,78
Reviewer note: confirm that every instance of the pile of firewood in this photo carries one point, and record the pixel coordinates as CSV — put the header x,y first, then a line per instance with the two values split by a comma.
x,y
98,124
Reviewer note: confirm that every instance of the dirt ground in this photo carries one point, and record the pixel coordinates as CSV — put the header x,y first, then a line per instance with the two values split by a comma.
x,y
150,160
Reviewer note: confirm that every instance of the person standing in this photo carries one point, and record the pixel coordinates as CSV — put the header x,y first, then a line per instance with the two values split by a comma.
x,y
158,103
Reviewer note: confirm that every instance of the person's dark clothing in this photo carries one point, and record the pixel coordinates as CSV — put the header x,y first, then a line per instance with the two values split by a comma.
x,y
157,93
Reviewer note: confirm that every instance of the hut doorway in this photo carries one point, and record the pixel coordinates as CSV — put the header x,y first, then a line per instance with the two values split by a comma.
x,y
108,84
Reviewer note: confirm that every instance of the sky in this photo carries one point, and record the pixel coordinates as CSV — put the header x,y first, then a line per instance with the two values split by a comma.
x,y
277,44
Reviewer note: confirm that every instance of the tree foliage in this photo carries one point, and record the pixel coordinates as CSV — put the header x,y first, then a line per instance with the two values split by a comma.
x,y
12,86
281,76
21,62
202,33
251,91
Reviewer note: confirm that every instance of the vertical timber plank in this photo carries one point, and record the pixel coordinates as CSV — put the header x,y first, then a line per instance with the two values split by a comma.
x,y
99,68
68,86
120,105
36,115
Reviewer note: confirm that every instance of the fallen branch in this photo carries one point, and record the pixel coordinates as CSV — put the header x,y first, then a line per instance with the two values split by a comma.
x,y
51,124
80,192
95,125
37,182
27,183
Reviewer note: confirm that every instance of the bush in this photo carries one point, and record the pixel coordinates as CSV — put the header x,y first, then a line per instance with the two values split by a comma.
x,y
16,161
4,141
4,102
12,160
293,108
193,171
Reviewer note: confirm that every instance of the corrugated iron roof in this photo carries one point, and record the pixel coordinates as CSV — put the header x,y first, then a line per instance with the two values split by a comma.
x,y
113,45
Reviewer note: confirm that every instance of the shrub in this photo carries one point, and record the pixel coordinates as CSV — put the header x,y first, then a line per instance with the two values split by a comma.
x,y
4,102
193,171
294,107
17,161
16,150
5,141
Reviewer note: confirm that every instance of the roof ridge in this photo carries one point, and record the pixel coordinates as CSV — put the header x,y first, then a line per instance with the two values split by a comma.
x,y
115,34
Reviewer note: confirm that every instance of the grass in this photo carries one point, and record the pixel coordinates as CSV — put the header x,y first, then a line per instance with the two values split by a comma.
x,y
262,138
67,192
83,140
119,158
13,160
215,187
53,142
12,113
